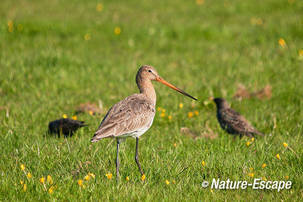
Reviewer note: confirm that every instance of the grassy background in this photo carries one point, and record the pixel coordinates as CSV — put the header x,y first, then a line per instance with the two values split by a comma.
x,y
47,68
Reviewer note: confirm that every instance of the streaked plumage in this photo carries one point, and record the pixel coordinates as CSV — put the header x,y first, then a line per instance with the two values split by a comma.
x,y
65,126
134,115
232,122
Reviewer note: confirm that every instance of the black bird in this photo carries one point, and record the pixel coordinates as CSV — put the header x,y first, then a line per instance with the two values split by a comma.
x,y
65,126
232,122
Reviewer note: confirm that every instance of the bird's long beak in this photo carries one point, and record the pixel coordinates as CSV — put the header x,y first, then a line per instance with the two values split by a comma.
x,y
159,79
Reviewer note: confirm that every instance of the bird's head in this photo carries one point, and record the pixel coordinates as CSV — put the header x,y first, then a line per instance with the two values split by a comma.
x,y
149,73
221,103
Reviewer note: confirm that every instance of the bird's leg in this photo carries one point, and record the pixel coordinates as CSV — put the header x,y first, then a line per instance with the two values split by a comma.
x,y
136,156
117,160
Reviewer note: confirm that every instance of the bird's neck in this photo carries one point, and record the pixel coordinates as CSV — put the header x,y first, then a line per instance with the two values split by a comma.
x,y
146,87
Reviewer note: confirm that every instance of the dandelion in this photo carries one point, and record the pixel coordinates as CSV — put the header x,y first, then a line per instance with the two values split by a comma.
x,y
87,177
190,114
286,177
251,174
248,143
162,114
90,112
203,163
51,189
21,182
181,105
263,165
301,53
92,175
166,182
211,190
49,179
159,109
127,178
285,144
10,25
143,177
29,175
117,30
99,7
251,169
196,113
170,117
109,176
252,139
24,187
87,37
264,178
22,167
278,156
175,144
74,117
282,43
80,183
199,2
42,180
64,116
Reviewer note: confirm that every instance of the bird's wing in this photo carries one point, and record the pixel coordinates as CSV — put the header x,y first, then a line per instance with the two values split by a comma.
x,y
127,116
236,121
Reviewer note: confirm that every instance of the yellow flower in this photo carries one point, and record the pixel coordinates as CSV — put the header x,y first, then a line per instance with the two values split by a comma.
x,y
158,109
87,177
127,178
24,187
92,175
29,175
167,182
162,114
301,53
264,165
196,113
42,180
49,179
181,105
80,183
190,114
285,144
99,7
10,25
282,42
264,178
51,189
248,143
109,176
286,177
143,177
90,112
211,190
21,182
117,30
203,163
175,144
199,2
22,166
251,174
163,110
74,117
64,116
251,169
252,139
87,37
278,156
170,117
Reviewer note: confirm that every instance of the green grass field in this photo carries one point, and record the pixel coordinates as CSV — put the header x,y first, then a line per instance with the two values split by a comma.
x,y
55,55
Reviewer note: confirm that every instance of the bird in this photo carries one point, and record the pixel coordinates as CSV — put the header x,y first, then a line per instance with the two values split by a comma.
x,y
233,122
65,126
134,115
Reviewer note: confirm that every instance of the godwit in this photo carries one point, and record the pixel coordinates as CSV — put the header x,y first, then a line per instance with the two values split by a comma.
x,y
232,122
134,115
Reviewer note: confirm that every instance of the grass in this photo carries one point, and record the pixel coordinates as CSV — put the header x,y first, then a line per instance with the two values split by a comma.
x,y
47,68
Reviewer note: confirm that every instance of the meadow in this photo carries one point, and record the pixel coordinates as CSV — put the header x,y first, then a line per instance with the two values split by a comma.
x,y
55,55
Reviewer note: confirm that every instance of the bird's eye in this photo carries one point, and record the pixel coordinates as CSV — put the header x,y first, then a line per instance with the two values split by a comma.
x,y
150,71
